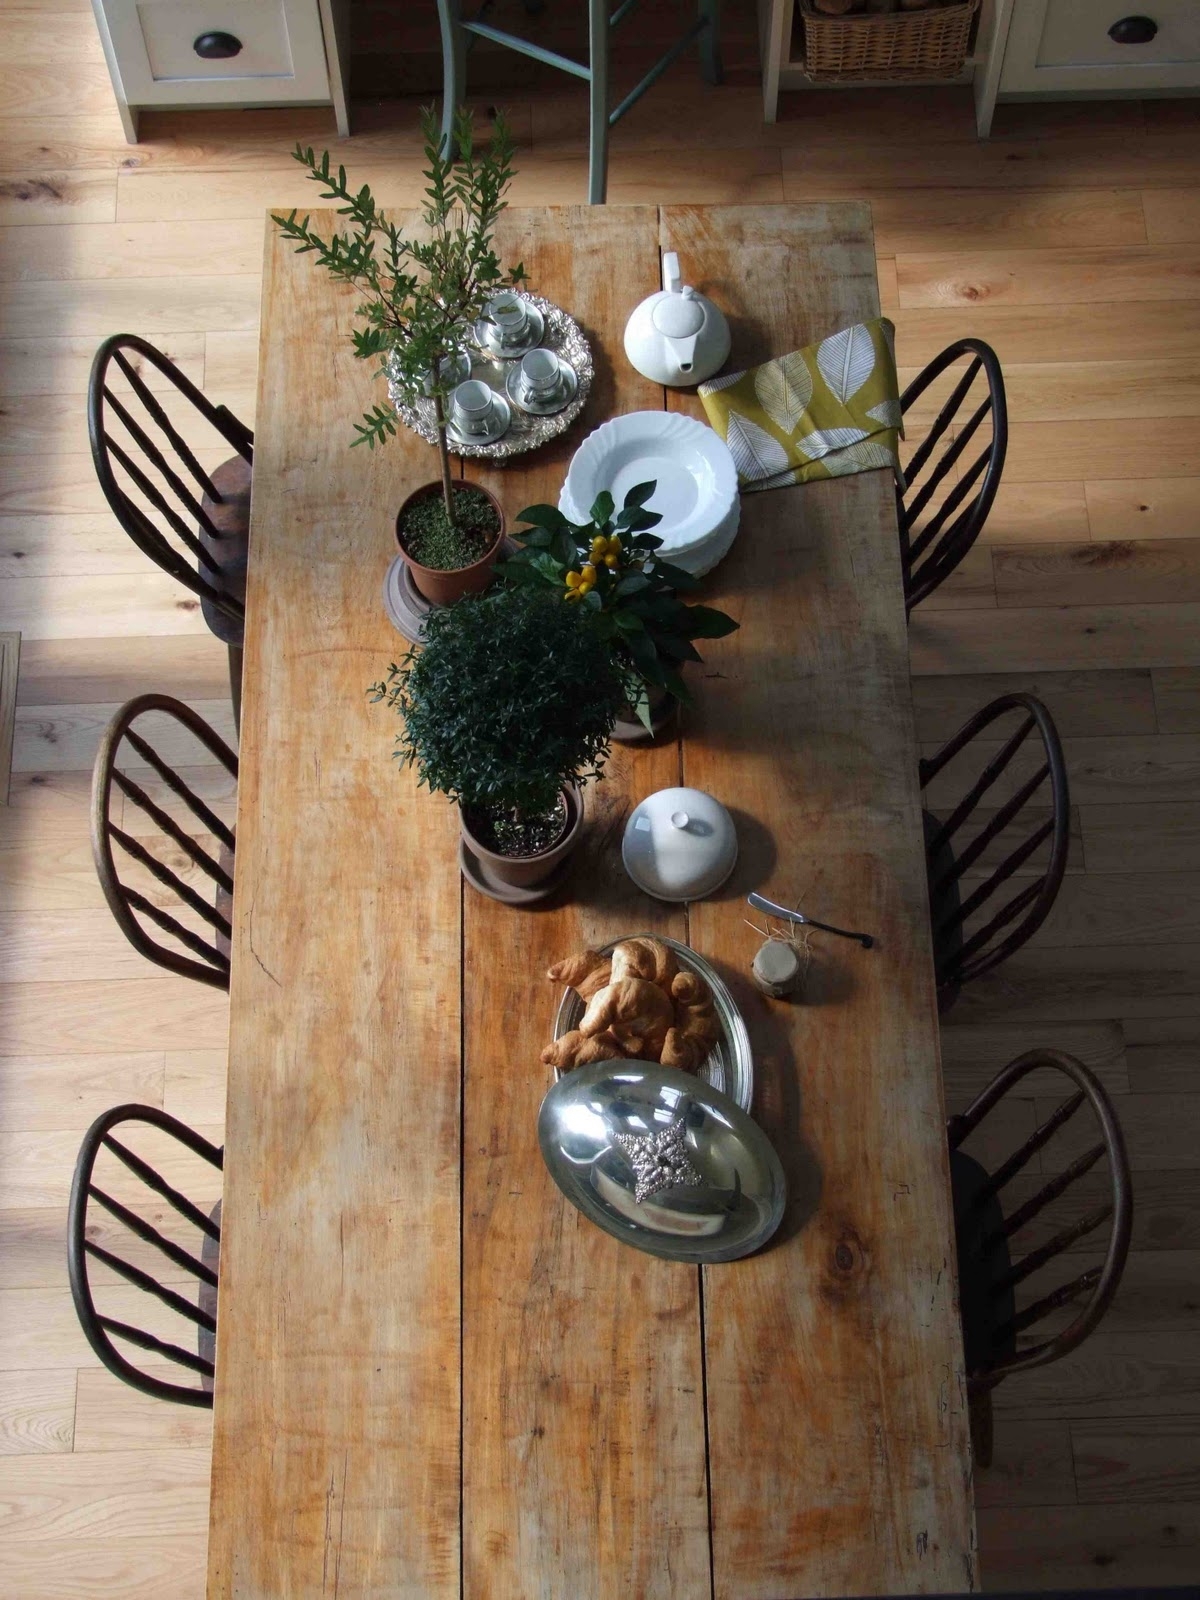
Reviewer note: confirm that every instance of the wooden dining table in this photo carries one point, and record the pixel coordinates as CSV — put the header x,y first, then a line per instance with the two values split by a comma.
x,y
434,1376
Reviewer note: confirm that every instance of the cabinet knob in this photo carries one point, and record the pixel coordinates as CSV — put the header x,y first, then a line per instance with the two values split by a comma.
x,y
1133,30
218,46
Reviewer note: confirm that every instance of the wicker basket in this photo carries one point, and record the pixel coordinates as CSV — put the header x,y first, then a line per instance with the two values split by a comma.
x,y
894,44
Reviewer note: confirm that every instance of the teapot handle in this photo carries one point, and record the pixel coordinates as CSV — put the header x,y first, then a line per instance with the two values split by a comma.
x,y
671,276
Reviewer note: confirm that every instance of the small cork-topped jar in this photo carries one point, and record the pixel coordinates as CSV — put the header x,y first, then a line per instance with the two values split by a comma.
x,y
776,969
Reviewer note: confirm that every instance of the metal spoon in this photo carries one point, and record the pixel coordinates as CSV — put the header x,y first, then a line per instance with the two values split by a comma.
x,y
761,903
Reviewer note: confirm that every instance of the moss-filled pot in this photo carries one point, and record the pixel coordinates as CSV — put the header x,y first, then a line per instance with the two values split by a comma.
x,y
442,586
524,871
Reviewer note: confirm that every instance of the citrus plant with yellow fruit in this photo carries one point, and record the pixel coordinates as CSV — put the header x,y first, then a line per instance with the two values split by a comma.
x,y
609,568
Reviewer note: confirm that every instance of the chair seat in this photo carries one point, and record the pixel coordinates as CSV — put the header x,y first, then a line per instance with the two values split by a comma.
x,y
984,1312
946,946
231,517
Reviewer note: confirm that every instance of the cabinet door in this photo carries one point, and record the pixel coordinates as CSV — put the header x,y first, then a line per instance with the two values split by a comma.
x,y
1064,45
163,51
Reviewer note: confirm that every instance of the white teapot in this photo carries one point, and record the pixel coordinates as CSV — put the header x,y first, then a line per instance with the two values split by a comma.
x,y
677,337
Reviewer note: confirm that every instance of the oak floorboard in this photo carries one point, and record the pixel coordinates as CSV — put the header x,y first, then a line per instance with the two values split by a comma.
x,y
1089,1547
1173,216
1081,703
86,251
911,220
1166,1212
1062,275
1041,984
109,1415
193,667
68,1091
1162,838
972,1056
1141,508
1131,1374
154,305
103,1495
1027,513
160,1566
1031,1466
72,1019
1143,572
1163,1054
1177,699
1157,1128
1135,1462
40,198
1051,639
1052,334
37,1412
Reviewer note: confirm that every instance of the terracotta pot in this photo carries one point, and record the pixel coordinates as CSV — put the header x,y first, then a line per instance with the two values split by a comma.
x,y
444,588
522,872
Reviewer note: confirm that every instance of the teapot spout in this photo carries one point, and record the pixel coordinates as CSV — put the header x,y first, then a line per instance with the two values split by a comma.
x,y
683,351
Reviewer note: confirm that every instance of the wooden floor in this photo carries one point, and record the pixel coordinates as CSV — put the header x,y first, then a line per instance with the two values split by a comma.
x,y
1071,242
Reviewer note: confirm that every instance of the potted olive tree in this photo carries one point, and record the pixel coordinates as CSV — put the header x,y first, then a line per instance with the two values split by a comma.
x,y
508,708
421,298
609,570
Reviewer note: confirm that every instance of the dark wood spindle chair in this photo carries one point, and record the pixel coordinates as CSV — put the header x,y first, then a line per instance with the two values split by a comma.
x,y
1002,1296
944,505
139,885
193,523
179,1260
979,916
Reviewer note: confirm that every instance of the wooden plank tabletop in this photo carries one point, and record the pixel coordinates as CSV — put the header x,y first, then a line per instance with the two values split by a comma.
x,y
433,1375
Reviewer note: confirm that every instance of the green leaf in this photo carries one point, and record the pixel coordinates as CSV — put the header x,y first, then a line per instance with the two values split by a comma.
x,y
640,493
706,623
535,538
674,684
563,547
592,600
544,563
669,644
602,508
632,582
629,622
675,576
645,658
543,517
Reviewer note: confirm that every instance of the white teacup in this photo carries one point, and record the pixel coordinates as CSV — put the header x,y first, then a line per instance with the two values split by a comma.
x,y
541,377
472,408
507,312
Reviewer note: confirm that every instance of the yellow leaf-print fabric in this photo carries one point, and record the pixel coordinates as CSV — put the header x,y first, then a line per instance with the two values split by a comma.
x,y
830,409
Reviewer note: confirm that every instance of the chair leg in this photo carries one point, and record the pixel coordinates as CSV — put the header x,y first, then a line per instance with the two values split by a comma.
x,y
454,65
235,684
598,32
710,41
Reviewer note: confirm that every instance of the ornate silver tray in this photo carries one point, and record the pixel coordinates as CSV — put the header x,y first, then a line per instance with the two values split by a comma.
x,y
730,1064
561,334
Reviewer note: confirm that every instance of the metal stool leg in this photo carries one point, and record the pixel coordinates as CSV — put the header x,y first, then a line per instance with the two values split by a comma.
x,y
710,40
598,31
454,65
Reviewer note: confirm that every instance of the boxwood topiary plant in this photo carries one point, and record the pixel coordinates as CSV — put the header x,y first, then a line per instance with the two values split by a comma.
x,y
511,697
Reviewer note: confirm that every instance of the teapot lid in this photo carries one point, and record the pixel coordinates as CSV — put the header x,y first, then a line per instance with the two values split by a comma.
x,y
662,1161
677,316
679,844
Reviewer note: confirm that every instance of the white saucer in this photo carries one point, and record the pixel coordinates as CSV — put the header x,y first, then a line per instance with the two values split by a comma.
x,y
501,423
568,383
485,335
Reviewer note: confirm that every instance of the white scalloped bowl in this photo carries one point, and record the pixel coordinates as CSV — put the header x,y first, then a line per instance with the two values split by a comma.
x,y
697,488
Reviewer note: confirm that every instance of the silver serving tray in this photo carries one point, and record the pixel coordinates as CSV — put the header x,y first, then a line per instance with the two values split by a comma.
x,y
563,335
729,1067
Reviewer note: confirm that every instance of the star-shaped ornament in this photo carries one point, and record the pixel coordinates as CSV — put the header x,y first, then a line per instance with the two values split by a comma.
x,y
659,1160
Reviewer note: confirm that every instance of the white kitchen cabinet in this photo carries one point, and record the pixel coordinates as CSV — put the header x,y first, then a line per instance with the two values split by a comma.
x,y
1090,49
209,53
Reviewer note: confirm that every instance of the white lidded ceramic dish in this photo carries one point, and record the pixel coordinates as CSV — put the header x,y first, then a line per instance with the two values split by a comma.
x,y
696,481
679,844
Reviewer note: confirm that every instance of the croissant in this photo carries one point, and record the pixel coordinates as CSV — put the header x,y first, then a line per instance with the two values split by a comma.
x,y
696,1028
644,958
574,1050
585,973
638,1013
